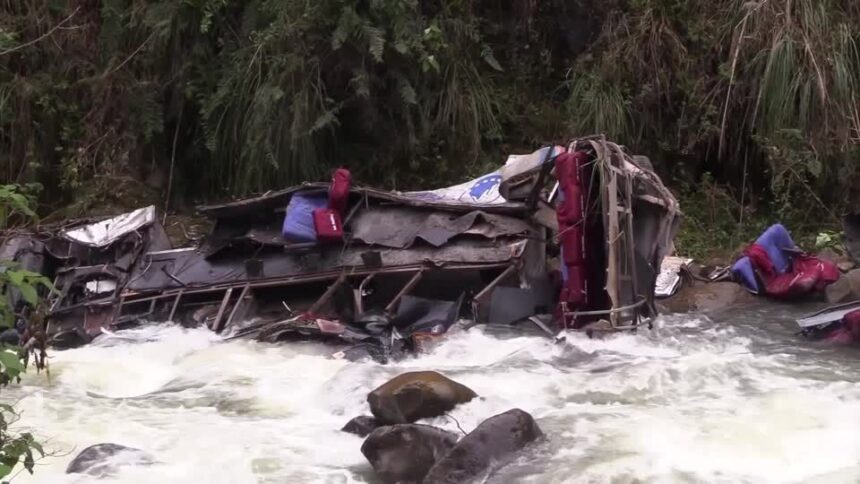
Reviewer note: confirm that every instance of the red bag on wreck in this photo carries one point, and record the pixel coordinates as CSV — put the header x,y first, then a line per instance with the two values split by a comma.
x,y
328,225
571,220
338,194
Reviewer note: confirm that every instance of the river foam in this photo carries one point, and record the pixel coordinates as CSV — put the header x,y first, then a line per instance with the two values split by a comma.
x,y
690,401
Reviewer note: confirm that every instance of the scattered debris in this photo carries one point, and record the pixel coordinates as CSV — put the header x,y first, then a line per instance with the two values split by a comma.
x,y
89,262
838,324
669,279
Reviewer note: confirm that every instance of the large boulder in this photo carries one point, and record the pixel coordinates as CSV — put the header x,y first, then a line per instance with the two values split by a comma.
x,y
105,459
491,442
839,291
416,395
404,453
853,278
361,426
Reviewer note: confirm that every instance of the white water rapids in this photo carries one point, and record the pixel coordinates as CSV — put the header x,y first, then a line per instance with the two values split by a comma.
x,y
736,399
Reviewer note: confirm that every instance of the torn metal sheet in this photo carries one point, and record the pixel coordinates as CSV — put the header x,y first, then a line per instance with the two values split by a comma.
x,y
106,232
399,227
669,279
165,270
520,170
474,195
101,286
483,190
827,315
512,304
417,314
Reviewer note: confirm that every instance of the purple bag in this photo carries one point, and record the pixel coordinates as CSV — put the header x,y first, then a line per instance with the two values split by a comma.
x,y
299,221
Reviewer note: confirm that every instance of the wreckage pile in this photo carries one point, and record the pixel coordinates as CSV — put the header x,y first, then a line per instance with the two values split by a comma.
x,y
566,236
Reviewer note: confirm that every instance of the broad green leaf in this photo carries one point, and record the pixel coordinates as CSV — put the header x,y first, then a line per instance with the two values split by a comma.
x,y
5,470
11,361
15,277
29,293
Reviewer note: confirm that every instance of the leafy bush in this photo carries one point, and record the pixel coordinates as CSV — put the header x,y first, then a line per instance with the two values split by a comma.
x,y
17,448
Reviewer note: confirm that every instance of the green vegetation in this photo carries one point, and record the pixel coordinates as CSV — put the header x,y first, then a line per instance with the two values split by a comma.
x,y
17,448
122,102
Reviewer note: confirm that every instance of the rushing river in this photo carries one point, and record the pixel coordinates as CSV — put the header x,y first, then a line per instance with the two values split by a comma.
x,y
734,397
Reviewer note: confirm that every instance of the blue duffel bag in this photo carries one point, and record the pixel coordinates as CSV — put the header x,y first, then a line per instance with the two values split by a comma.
x,y
299,221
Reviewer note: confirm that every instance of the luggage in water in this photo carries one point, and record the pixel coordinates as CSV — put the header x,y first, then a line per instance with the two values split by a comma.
x,y
328,225
299,221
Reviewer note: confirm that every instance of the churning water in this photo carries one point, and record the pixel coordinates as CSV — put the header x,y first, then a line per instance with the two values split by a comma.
x,y
727,398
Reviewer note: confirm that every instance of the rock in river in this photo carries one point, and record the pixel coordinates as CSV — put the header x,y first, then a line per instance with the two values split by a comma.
x,y
706,297
404,453
492,441
361,426
416,395
104,459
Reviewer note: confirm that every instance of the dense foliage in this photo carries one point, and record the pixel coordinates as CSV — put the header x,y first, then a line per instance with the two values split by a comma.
x,y
210,98
17,447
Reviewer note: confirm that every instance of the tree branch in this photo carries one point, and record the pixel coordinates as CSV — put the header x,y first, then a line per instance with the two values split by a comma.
x,y
45,35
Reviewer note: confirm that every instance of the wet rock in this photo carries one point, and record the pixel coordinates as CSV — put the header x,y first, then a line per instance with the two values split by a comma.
x,y
404,453
843,261
416,395
705,297
853,278
104,459
361,426
491,442
11,336
846,265
839,291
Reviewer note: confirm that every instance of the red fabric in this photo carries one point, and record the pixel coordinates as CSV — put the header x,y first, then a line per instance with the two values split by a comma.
x,y
571,228
851,321
760,260
328,225
848,332
572,247
807,274
338,194
840,335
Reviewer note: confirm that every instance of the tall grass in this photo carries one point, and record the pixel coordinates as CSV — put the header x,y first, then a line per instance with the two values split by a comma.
x,y
764,92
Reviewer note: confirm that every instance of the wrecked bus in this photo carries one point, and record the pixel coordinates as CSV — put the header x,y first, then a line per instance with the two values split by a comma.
x,y
567,237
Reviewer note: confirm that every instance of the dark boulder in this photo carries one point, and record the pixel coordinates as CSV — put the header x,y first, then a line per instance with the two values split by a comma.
x,y
491,442
416,395
104,459
404,453
361,426
11,336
